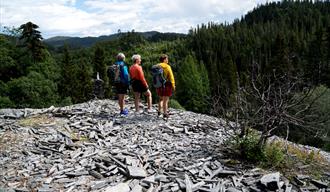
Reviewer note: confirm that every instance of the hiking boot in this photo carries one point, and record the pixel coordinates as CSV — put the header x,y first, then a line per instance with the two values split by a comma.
x,y
124,112
166,115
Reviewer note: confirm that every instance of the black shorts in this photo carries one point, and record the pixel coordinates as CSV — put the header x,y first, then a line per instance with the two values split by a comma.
x,y
138,86
121,88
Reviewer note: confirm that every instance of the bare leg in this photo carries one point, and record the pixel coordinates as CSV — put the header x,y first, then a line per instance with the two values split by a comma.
x,y
149,98
121,101
165,104
137,101
160,104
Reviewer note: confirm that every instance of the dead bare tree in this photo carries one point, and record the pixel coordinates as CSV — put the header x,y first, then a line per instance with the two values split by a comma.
x,y
268,104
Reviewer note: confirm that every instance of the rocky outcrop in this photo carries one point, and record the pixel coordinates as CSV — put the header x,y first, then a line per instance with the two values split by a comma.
x,y
90,147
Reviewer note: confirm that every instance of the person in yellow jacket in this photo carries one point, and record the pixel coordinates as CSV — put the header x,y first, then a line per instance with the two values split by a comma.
x,y
165,92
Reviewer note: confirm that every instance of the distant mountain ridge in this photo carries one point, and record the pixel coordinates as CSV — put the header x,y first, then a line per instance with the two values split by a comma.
x,y
59,41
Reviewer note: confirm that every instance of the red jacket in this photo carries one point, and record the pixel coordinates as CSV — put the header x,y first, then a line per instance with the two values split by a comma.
x,y
136,73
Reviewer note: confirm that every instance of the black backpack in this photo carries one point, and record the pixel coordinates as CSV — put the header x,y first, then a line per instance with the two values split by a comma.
x,y
158,78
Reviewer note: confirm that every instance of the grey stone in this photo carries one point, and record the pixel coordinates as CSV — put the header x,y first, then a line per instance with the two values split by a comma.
x,y
299,182
232,189
121,187
288,188
188,183
45,189
136,172
21,190
99,184
95,174
6,190
271,181
92,142
319,184
137,188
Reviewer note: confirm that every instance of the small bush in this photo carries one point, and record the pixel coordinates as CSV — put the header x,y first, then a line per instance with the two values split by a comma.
x,y
274,155
249,148
271,155
5,102
175,104
66,101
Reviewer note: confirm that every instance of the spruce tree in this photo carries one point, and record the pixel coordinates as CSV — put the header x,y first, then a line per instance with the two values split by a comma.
x,y
193,90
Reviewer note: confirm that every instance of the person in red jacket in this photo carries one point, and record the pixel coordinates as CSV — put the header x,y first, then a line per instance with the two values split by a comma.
x,y
139,83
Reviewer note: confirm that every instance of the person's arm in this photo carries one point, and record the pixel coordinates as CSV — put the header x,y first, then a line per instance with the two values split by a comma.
x,y
171,77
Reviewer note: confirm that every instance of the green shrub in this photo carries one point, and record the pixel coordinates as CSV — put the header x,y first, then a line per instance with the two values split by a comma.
x,y
5,102
175,104
249,148
66,101
274,155
33,91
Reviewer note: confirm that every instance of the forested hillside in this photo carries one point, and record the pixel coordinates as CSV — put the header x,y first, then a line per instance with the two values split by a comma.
x,y
77,42
271,67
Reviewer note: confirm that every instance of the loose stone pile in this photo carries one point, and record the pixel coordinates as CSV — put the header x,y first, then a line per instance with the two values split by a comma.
x,y
90,147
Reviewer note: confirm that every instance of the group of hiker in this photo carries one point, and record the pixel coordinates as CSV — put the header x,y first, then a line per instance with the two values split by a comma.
x,y
163,81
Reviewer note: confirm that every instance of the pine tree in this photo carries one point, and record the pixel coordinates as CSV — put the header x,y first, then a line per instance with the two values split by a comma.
x,y
84,81
31,40
69,81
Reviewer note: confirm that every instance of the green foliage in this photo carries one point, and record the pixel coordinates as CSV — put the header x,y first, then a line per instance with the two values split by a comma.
x,y
76,80
101,68
65,102
32,91
274,155
8,65
31,40
48,67
5,102
84,86
316,119
3,88
99,64
270,155
175,104
193,85
249,147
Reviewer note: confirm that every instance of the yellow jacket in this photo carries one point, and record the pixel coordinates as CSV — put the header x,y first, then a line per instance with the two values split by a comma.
x,y
168,73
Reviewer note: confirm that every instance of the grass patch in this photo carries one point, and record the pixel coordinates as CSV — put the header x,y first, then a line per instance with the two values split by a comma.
x,y
78,137
8,139
289,159
36,121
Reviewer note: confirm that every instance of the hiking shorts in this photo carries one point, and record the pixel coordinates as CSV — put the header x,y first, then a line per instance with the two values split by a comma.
x,y
165,91
121,88
138,86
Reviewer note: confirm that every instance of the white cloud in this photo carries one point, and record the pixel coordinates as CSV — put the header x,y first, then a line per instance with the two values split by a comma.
x,y
104,17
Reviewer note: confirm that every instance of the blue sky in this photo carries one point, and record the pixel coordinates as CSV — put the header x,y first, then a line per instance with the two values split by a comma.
x,y
83,18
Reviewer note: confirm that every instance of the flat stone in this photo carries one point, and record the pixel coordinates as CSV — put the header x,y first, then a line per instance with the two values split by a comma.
x,y
121,187
271,181
136,172
319,184
137,188
45,189
189,184
99,184
95,174
6,190
22,190
232,189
